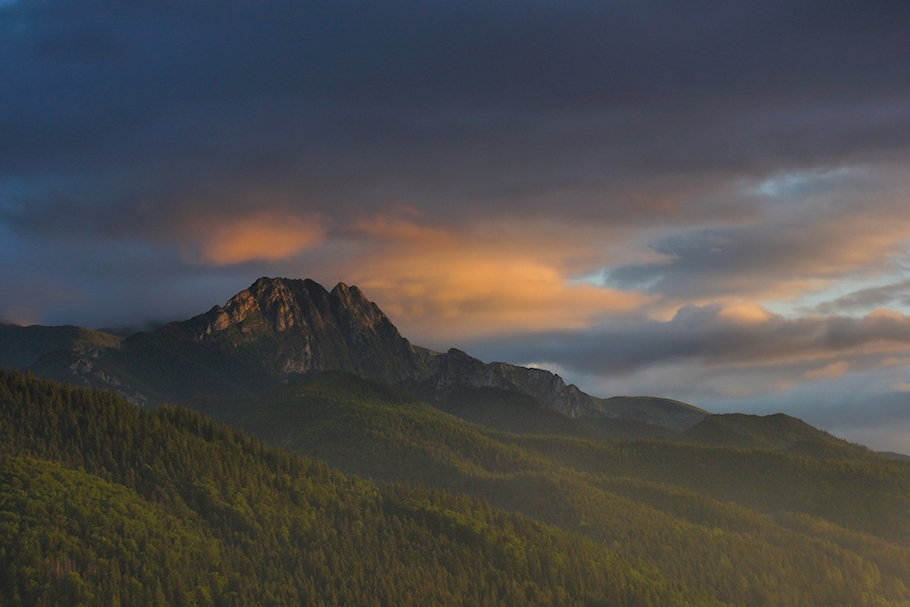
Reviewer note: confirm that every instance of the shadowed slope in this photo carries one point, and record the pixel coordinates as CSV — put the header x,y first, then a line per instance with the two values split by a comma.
x,y
454,371
22,346
776,432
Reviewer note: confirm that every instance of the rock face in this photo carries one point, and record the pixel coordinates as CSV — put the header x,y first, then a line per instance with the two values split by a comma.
x,y
456,368
287,326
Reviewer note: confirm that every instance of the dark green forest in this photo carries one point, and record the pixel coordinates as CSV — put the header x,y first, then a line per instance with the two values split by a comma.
x,y
346,491
809,525
104,504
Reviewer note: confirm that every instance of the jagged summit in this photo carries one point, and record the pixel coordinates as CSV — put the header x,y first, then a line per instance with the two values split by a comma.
x,y
278,305
294,326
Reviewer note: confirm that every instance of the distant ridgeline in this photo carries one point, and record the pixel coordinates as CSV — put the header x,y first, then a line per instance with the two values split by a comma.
x,y
280,329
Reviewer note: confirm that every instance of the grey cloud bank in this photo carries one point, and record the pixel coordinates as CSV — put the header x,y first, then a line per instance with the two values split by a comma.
x,y
353,104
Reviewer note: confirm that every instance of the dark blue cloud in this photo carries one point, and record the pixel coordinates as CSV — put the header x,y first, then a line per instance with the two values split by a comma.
x,y
100,87
705,335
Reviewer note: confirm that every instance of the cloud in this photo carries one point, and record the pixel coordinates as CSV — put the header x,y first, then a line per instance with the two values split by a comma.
x,y
794,245
867,298
81,44
720,339
442,285
602,109
829,371
256,237
744,313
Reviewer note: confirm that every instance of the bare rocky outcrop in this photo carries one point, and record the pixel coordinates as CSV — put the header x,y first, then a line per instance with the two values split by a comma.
x,y
294,326
452,370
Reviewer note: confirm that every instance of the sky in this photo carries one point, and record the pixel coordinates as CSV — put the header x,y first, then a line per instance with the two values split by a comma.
x,y
705,200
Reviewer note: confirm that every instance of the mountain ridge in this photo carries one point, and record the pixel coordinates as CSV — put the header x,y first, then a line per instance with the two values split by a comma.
x,y
279,328
20,346
456,368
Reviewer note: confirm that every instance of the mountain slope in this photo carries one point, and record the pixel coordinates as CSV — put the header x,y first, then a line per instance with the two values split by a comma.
x,y
776,432
664,412
104,504
275,329
455,370
722,522
22,346
295,326
511,410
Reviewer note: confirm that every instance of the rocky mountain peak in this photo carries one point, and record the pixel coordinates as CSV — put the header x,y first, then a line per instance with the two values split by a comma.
x,y
294,326
343,288
276,301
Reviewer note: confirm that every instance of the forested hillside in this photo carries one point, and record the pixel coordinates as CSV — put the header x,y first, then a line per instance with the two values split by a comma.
x,y
102,503
749,527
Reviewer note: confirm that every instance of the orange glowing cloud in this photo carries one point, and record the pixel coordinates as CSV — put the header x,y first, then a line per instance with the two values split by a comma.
x,y
259,237
442,284
846,245
744,313
829,371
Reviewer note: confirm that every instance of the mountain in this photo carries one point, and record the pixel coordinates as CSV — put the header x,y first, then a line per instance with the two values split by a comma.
x,y
664,412
21,347
281,328
296,326
102,502
455,370
775,432
274,330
